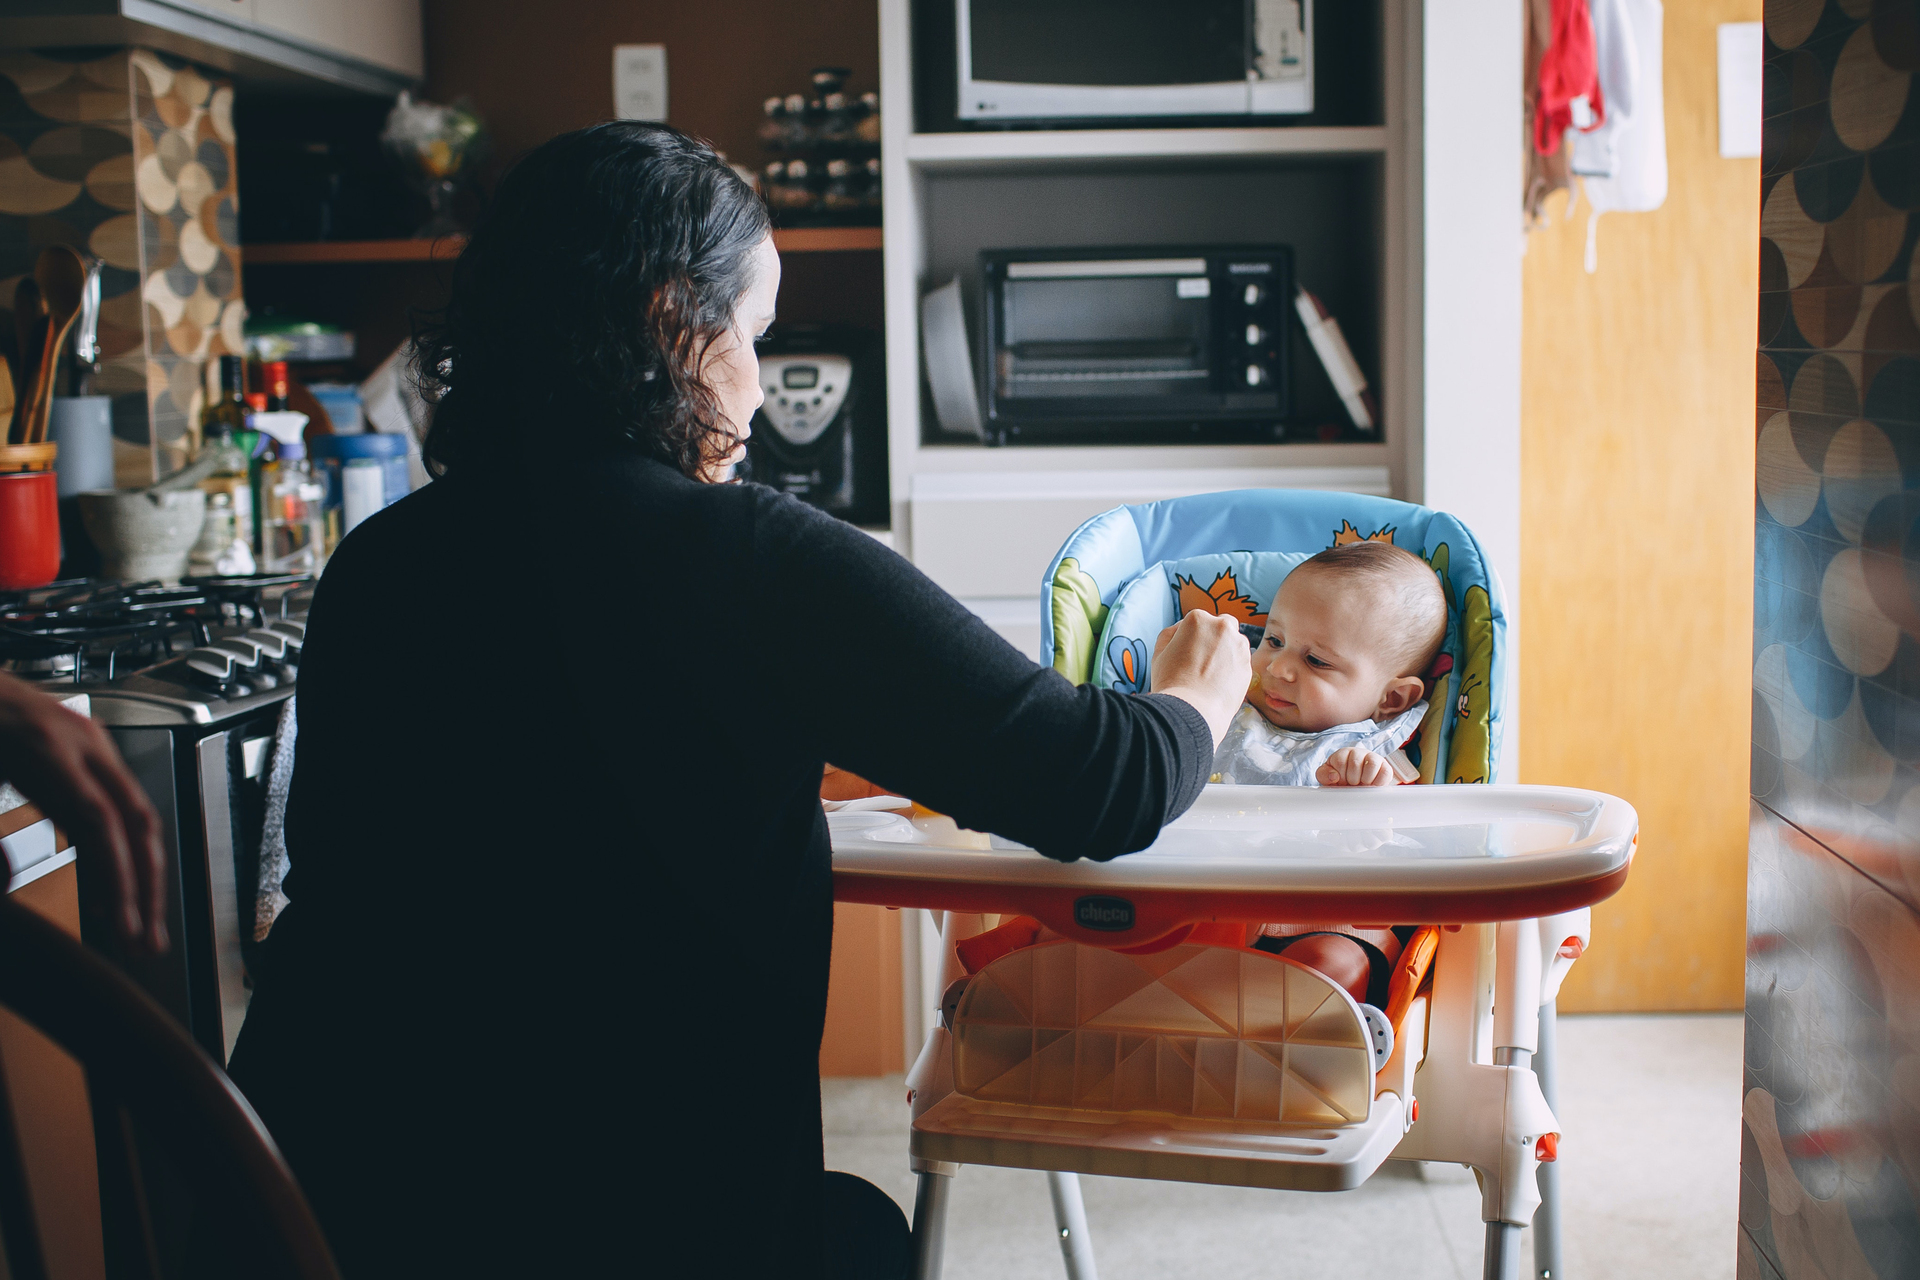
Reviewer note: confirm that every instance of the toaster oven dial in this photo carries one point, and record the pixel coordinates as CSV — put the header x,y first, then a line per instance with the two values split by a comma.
x,y
1255,335
1256,376
1255,295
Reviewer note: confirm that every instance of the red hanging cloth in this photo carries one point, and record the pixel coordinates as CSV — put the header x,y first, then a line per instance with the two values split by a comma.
x,y
1568,70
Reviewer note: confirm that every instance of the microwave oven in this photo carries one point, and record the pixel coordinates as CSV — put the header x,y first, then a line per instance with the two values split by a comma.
x,y
1136,345
1095,59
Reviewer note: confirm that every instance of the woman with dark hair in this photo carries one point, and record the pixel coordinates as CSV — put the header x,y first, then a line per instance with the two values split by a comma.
x,y
549,995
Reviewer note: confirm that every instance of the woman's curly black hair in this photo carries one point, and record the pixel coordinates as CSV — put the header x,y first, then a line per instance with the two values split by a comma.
x,y
608,261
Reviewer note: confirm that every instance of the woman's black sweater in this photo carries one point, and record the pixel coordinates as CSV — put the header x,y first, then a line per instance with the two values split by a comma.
x,y
548,998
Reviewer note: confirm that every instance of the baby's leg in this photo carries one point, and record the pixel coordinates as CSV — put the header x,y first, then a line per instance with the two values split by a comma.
x,y
1342,960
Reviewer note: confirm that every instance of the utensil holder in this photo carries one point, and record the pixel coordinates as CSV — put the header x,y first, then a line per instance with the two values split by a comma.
x,y
29,527
28,457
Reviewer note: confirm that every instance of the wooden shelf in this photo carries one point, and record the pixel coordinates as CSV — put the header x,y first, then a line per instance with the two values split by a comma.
x,y
797,240
1000,148
339,251
827,239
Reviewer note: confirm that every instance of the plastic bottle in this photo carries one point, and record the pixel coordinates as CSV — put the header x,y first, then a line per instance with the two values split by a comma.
x,y
292,528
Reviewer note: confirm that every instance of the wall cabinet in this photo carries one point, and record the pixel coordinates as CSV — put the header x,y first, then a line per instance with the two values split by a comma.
x,y
386,33
367,46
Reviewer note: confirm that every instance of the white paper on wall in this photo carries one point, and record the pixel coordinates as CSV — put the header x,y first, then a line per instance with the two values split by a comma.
x,y
1742,49
1638,183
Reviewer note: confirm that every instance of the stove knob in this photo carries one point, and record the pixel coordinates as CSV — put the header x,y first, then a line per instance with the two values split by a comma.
x,y
289,627
210,666
1255,295
245,654
1256,376
271,644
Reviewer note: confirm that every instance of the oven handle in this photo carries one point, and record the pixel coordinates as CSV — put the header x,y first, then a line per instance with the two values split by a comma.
x,y
1106,267
216,819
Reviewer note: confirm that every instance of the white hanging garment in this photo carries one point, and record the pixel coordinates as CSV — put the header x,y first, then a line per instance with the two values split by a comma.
x,y
1617,60
1638,183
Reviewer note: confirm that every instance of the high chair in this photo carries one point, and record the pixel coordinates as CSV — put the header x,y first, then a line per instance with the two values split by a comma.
x,y
1147,1040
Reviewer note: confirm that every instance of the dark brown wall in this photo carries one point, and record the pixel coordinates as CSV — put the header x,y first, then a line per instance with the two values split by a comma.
x,y
538,69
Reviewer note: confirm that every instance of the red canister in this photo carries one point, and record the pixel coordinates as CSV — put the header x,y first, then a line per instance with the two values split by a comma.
x,y
29,529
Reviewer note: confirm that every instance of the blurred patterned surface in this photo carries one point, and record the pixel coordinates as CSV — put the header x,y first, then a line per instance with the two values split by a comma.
x,y
129,157
1830,1162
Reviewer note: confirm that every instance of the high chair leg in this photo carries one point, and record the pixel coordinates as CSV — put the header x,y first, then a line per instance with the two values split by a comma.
x,y
1070,1217
930,1224
1503,1252
1546,1219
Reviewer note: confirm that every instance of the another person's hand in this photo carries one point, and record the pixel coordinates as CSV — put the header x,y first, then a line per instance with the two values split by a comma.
x,y
1356,767
1204,661
68,767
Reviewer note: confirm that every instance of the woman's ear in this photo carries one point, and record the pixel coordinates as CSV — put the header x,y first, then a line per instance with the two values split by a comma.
x,y
1402,692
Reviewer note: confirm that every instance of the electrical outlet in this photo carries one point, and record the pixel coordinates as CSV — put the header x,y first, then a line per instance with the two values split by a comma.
x,y
640,81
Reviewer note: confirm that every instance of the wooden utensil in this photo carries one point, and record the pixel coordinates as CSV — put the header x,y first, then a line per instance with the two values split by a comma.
x,y
62,277
6,392
28,315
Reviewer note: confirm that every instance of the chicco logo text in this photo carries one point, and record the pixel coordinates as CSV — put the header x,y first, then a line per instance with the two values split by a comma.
x,y
1110,915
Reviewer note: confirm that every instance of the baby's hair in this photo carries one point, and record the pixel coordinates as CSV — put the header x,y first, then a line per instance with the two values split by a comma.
x,y
1406,585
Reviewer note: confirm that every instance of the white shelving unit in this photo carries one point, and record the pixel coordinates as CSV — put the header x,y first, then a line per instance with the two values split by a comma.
x,y
983,521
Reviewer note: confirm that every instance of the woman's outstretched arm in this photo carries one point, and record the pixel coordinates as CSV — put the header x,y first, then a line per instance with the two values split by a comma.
x,y
888,676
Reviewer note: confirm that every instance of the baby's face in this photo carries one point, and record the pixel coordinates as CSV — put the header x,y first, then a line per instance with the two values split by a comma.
x,y
1320,663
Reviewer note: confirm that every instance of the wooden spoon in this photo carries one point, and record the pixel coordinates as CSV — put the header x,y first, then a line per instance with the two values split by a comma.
x,y
62,277
28,316
6,392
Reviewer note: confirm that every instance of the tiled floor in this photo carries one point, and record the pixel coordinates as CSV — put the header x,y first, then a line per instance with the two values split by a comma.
x,y
1650,1168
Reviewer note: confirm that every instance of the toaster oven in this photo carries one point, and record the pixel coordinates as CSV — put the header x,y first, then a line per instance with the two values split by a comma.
x,y
1137,345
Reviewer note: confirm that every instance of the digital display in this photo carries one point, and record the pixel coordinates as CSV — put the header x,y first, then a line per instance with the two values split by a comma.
x,y
800,377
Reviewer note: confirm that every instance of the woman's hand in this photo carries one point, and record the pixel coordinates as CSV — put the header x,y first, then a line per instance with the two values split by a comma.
x,y
1204,660
1355,767
68,767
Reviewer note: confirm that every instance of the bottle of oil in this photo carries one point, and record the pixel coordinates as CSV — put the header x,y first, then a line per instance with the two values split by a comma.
x,y
222,423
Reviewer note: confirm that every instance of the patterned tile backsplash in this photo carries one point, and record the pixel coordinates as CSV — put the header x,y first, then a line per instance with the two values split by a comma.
x,y
1830,1165
130,157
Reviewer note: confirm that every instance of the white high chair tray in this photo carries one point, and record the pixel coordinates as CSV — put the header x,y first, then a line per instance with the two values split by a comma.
x,y
1409,855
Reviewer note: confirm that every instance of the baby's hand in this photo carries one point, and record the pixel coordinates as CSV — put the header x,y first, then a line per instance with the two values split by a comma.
x,y
1355,767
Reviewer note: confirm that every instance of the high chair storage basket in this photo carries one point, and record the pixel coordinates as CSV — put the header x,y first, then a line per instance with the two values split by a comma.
x,y
1190,1031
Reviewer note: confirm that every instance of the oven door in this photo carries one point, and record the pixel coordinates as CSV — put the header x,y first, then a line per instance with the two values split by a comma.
x,y
1112,349
1089,59
210,792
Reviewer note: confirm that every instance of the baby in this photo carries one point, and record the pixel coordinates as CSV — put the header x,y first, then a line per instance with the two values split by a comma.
x,y
1336,692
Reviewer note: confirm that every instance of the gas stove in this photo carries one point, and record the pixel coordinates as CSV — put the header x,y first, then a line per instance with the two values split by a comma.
x,y
191,681
150,654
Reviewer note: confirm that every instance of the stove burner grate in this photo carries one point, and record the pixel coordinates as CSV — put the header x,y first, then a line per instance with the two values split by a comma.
x,y
87,629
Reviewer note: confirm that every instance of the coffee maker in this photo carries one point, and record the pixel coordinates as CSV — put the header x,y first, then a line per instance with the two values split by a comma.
x,y
821,434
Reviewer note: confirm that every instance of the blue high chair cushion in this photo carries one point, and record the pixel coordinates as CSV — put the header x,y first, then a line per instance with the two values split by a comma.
x,y
1238,583
1459,741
